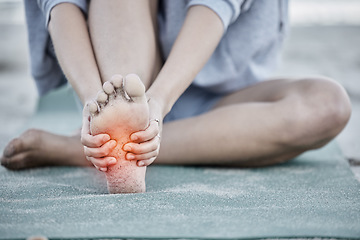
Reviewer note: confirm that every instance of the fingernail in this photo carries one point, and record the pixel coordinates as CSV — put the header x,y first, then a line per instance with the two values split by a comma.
x,y
113,144
141,164
103,169
106,138
113,161
130,156
127,148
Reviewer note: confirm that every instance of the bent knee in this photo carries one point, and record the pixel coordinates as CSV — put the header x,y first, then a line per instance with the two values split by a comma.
x,y
330,101
321,109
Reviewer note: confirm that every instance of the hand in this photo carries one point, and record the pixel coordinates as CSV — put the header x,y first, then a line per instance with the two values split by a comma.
x,y
96,148
145,145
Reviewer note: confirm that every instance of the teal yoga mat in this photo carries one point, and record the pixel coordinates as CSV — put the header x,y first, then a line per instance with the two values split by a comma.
x,y
315,195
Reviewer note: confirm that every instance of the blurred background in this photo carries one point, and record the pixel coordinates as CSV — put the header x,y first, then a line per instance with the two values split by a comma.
x,y
324,39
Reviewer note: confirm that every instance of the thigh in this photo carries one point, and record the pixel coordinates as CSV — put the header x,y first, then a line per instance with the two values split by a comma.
x,y
317,100
197,100
267,91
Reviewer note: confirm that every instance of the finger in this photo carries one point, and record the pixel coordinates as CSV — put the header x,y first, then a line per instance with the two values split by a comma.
x,y
102,162
149,133
86,120
104,169
145,163
94,141
102,151
87,139
145,156
140,148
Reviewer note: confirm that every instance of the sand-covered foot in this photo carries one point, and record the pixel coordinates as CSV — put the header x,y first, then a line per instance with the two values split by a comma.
x,y
120,110
37,148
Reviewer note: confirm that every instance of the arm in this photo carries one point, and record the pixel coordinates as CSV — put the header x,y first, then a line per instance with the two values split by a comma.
x,y
69,33
197,40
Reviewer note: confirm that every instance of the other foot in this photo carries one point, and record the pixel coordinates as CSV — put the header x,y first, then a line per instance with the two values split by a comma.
x,y
120,110
37,148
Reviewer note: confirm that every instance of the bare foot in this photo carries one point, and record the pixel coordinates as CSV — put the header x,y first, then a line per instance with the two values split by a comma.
x,y
37,148
121,110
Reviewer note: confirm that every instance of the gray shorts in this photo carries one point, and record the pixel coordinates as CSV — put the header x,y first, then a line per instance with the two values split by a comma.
x,y
194,101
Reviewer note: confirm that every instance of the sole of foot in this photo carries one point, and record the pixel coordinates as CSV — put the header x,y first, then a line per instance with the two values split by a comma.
x,y
120,110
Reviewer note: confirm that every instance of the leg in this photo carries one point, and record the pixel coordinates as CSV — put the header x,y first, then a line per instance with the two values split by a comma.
x,y
135,51
123,35
124,42
265,124
36,148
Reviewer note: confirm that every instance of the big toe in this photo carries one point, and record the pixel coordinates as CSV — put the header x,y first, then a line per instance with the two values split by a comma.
x,y
134,88
15,162
15,146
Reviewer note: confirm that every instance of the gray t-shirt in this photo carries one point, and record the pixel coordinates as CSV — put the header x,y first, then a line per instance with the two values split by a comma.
x,y
247,53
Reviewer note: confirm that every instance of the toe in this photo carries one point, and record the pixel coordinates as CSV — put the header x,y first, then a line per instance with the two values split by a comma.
x,y
30,139
117,80
17,162
13,147
135,88
101,97
108,88
93,107
4,161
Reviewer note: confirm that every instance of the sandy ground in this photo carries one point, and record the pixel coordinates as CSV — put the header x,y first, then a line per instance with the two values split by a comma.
x,y
310,49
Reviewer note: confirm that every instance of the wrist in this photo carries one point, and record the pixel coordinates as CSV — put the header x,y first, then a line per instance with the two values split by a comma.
x,y
158,105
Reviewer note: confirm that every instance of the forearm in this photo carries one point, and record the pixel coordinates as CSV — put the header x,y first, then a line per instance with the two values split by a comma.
x,y
197,40
73,49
